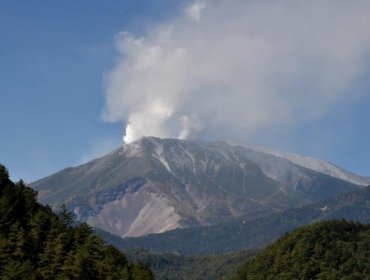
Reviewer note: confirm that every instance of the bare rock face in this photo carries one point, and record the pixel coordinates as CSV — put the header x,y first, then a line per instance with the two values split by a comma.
x,y
137,214
155,185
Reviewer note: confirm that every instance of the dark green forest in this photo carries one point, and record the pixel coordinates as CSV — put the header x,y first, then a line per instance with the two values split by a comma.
x,y
327,250
36,243
169,266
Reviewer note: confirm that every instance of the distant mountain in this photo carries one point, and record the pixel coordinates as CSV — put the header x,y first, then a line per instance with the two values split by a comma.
x,y
326,250
249,235
155,185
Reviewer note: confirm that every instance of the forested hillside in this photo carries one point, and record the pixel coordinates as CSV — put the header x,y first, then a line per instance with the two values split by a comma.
x,y
325,250
170,266
35,243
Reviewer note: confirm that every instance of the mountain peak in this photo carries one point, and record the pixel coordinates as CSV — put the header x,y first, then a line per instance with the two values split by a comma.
x,y
154,185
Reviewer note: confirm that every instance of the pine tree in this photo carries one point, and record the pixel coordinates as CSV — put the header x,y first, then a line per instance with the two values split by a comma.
x,y
4,174
35,243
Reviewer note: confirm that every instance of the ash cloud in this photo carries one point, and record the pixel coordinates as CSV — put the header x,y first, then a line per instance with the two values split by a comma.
x,y
232,68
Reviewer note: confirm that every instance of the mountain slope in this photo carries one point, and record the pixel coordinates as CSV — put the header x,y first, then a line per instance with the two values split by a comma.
x,y
326,250
250,235
156,185
317,165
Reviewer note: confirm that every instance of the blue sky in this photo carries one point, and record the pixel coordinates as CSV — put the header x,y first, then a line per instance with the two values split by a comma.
x,y
58,60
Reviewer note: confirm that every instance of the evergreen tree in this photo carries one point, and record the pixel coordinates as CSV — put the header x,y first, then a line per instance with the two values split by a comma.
x,y
4,174
326,250
35,243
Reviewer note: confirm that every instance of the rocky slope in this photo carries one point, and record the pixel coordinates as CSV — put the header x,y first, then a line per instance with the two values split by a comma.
x,y
249,235
155,185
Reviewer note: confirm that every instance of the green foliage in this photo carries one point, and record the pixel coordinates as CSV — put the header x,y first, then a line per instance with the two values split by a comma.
x,y
35,243
176,267
325,250
4,174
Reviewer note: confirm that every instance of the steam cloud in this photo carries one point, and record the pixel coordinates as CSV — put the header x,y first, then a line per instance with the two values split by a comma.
x,y
234,67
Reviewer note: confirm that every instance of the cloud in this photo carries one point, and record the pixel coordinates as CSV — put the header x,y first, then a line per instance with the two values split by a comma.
x,y
233,68
194,11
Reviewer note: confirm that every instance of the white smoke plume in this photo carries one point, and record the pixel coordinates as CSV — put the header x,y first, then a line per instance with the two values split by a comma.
x,y
234,67
194,11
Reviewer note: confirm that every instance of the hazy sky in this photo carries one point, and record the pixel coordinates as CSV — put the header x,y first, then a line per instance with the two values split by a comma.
x,y
76,76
